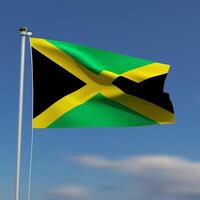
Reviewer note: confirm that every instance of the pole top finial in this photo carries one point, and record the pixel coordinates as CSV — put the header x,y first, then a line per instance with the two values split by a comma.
x,y
24,28
25,31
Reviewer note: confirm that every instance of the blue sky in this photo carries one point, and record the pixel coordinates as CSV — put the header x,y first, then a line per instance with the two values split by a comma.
x,y
128,163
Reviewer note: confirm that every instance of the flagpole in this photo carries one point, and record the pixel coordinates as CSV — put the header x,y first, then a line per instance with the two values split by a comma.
x,y
23,33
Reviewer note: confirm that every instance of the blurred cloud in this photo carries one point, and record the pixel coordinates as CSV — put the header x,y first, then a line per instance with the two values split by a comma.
x,y
157,176
70,192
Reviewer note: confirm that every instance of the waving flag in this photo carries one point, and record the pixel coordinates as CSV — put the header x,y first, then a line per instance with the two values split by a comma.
x,y
80,86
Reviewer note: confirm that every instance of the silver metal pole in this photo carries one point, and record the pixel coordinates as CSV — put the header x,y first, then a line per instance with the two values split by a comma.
x,y
23,33
32,134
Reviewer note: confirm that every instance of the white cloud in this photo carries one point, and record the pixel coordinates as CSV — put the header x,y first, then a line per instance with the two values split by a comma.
x,y
156,175
71,192
93,161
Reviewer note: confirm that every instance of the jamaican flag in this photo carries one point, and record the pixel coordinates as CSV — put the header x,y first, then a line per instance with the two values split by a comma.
x,y
80,86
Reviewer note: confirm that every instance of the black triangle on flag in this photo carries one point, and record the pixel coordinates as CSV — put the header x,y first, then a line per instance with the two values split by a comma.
x,y
50,83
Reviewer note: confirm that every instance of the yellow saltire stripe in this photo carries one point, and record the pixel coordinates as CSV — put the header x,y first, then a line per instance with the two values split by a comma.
x,y
101,83
63,105
147,71
145,108
55,54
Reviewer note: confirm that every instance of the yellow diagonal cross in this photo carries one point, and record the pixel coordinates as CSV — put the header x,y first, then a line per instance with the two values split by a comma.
x,y
101,83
